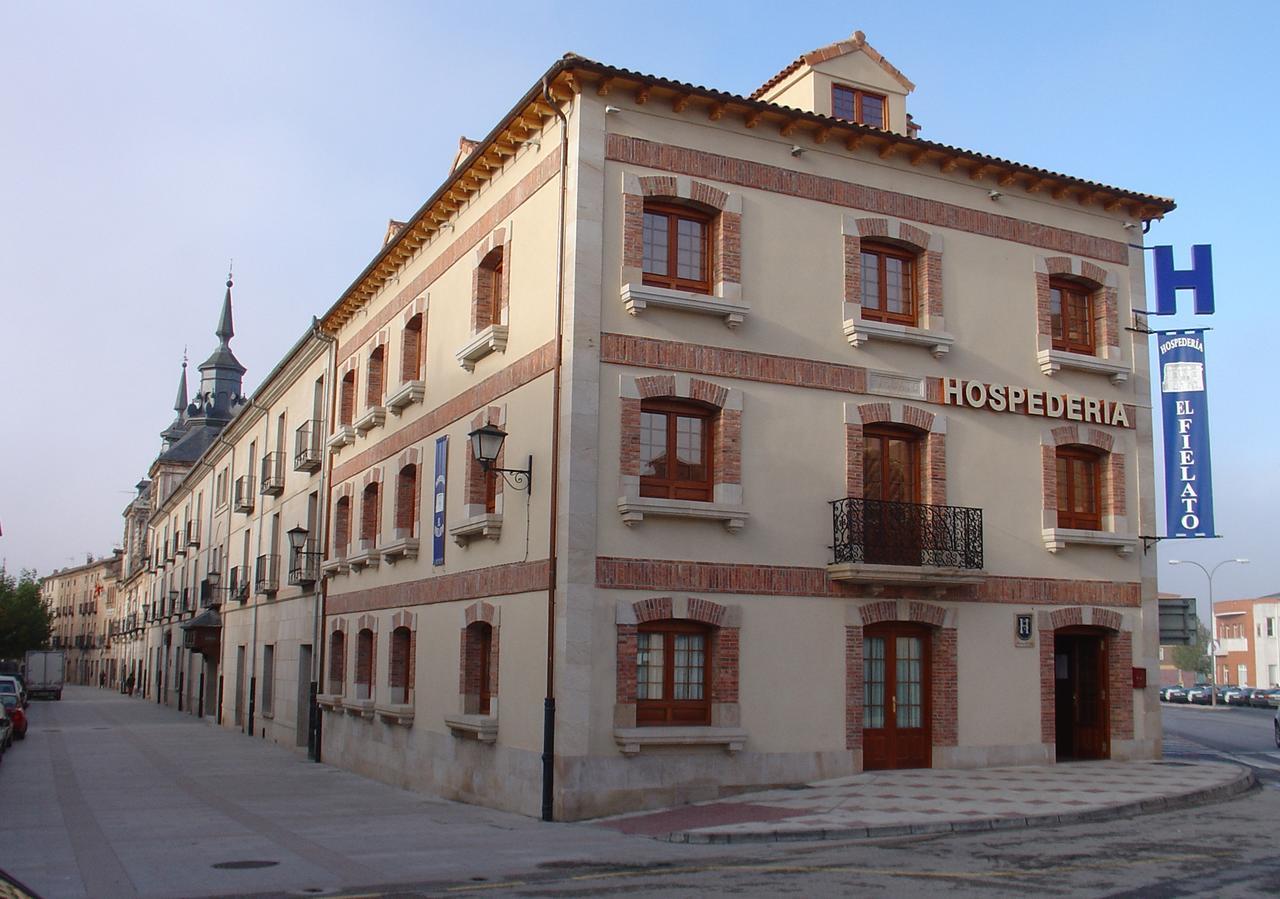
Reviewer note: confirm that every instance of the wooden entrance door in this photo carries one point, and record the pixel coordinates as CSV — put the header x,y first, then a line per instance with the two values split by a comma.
x,y
1082,713
891,484
897,684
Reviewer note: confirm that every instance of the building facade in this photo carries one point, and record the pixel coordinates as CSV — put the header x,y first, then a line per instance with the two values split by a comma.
x,y
838,449
1247,632
820,448
82,601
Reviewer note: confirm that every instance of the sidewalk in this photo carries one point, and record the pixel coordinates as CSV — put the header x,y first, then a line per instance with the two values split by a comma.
x,y
894,803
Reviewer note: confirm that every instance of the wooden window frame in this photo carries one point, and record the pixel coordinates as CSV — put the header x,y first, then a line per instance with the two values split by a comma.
x,y
674,212
399,675
668,711
1060,329
669,487
858,95
1071,517
909,259
896,432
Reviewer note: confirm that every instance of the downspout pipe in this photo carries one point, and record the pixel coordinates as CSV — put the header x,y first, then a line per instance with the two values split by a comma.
x,y
329,409
549,703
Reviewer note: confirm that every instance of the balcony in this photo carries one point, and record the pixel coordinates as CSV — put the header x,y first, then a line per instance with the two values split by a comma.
x,y
902,544
273,474
243,499
304,570
238,583
267,574
307,447
193,533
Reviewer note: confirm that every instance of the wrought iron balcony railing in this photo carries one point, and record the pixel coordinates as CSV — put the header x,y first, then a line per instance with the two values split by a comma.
x,y
273,474
243,500
305,565
308,447
875,532
267,579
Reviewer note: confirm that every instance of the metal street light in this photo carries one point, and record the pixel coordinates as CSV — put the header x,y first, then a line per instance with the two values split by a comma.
x,y
1213,621
486,444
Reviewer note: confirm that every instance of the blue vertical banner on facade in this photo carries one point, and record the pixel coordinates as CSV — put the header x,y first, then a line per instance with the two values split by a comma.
x,y
437,500
1185,404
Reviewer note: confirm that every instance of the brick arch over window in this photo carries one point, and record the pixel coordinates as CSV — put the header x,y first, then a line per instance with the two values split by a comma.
x,y
478,659
484,488
402,661
932,428
924,247
375,382
337,650
342,522
726,428
726,226
1101,285
945,721
491,281
1111,469
724,622
1110,624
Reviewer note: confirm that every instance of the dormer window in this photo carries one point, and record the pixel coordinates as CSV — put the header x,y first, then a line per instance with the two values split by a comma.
x,y
856,105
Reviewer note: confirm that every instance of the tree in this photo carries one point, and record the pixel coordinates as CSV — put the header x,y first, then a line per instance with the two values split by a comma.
x,y
24,620
1196,656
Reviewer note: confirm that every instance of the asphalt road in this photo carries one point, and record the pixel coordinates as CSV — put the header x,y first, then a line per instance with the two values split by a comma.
x,y
115,797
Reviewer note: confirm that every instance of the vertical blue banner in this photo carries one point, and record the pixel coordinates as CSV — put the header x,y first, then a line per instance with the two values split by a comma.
x,y
437,501
1185,403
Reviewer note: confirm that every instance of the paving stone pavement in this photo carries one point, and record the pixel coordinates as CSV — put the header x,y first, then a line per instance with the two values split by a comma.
x,y
885,803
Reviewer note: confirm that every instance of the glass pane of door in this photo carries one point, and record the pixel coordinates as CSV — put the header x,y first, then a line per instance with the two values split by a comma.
x,y
908,692
873,682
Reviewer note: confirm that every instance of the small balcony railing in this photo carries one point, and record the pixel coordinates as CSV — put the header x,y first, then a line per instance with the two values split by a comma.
x,y
304,569
308,447
267,579
273,474
243,499
193,533
875,532
238,583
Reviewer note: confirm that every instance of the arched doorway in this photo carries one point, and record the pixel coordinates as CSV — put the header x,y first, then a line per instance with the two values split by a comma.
x,y
897,696
1082,713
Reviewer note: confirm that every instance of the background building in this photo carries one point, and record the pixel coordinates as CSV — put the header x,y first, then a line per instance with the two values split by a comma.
x,y
1248,635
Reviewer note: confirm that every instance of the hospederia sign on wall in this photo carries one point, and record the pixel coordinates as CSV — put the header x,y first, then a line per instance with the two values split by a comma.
x,y
1184,402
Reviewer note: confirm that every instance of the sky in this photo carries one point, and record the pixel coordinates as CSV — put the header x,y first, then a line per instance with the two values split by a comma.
x,y
144,145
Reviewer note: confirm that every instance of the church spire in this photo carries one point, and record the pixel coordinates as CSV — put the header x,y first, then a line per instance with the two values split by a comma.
x,y
225,328
180,404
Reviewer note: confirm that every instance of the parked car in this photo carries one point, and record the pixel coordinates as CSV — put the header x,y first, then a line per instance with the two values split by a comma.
x,y
22,687
16,714
1258,699
6,731
1273,698
1239,696
9,686
1199,694
1277,727
1176,694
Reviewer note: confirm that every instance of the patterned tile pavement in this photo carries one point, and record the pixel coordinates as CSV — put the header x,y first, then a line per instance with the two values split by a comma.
x,y
880,803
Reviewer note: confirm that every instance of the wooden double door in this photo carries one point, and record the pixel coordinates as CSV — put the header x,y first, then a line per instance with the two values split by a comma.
x,y
897,688
1082,717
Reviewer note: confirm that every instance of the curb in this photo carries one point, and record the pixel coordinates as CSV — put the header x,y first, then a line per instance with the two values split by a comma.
x,y
1245,781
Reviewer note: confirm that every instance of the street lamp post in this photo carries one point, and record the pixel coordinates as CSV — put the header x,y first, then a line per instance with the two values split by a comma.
x,y
1213,621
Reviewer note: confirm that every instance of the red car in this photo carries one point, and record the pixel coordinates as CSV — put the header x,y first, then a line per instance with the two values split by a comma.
x,y
19,717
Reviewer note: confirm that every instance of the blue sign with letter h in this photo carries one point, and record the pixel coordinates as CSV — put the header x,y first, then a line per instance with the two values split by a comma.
x,y
1198,278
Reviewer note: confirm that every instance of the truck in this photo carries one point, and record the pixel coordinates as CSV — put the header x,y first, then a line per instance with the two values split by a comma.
x,y
46,669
